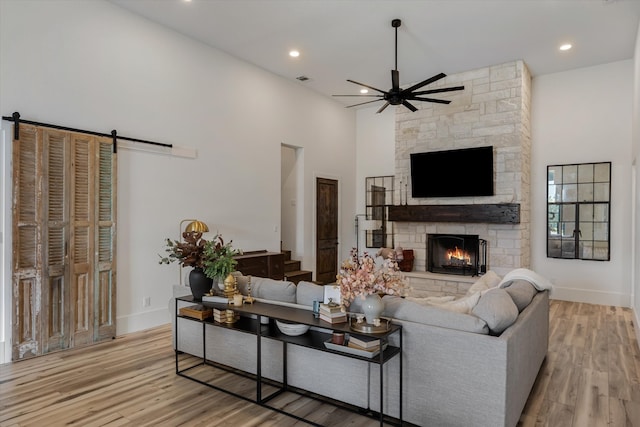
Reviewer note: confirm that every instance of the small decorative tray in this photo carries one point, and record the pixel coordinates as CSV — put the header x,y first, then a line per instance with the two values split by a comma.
x,y
358,352
367,328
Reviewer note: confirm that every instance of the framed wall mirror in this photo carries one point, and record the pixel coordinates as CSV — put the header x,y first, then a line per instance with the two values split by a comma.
x,y
578,211
379,196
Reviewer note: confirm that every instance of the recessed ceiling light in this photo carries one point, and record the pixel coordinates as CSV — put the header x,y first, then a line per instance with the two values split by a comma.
x,y
294,53
364,90
566,46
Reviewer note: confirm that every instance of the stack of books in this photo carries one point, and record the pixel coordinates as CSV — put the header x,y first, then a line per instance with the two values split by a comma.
x,y
332,313
216,298
371,344
224,316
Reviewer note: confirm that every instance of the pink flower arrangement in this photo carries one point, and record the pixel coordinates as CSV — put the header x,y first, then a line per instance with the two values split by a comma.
x,y
361,277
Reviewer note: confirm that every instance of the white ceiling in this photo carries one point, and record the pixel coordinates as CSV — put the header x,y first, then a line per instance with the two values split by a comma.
x,y
353,39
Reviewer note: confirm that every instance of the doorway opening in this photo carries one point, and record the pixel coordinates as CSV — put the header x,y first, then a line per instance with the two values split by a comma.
x,y
290,227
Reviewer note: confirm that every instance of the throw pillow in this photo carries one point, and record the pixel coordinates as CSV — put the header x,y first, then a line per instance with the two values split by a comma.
x,y
489,280
521,291
497,309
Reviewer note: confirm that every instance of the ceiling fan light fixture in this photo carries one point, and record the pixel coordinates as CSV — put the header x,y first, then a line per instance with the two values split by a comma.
x,y
397,95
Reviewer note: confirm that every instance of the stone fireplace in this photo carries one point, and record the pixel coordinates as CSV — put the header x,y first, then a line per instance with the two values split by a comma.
x,y
493,110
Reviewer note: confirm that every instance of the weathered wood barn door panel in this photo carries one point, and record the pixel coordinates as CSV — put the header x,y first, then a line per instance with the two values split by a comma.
x,y
55,288
82,230
27,256
106,241
64,240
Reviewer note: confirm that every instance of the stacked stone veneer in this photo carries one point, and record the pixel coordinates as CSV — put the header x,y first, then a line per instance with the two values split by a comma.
x,y
493,109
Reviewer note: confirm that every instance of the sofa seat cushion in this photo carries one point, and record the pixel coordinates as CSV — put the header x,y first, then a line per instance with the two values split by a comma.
x,y
521,292
497,309
401,309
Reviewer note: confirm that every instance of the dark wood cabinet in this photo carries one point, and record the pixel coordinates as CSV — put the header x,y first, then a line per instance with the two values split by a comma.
x,y
261,264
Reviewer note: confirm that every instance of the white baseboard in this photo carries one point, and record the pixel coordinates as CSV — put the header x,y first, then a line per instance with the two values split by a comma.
x,y
141,321
591,297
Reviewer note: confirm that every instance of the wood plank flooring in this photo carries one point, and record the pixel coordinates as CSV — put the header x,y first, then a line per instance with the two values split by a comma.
x,y
591,377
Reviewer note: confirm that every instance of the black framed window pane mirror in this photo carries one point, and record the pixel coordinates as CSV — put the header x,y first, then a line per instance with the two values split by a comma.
x,y
578,206
379,196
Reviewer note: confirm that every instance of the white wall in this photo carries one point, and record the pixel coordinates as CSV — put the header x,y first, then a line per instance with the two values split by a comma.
x,y
375,145
636,160
93,65
583,115
579,116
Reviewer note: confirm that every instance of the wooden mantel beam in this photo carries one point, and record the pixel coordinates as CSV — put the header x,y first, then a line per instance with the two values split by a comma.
x,y
501,213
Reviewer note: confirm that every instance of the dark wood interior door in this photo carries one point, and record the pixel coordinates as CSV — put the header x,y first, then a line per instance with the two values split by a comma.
x,y
326,230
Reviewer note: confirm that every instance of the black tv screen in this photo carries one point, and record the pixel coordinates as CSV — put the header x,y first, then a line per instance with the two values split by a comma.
x,y
452,173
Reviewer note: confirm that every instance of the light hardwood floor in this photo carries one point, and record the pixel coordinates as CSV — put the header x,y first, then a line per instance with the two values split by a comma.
x,y
591,377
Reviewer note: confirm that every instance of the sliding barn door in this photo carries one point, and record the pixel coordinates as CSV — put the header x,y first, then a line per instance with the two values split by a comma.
x,y
64,240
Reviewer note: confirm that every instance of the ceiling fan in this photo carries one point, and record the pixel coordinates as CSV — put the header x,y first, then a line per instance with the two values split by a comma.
x,y
396,95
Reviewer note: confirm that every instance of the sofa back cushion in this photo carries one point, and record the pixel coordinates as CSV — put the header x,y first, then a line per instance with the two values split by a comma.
x,y
308,292
277,290
400,308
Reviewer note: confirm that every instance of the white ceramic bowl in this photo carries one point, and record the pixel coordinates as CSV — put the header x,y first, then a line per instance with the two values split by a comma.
x,y
291,329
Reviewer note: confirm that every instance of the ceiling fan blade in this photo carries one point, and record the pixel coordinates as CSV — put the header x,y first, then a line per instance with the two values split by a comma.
x,y
444,89
362,103
361,94
362,84
425,82
395,80
383,107
437,101
409,105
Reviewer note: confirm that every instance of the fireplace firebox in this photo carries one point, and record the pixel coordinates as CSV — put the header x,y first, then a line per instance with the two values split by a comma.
x,y
461,254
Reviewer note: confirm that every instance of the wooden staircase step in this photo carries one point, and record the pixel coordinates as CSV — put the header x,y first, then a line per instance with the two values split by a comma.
x,y
287,255
297,276
291,265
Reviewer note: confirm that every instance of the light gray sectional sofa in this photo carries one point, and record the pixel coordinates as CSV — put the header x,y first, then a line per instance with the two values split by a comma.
x,y
457,371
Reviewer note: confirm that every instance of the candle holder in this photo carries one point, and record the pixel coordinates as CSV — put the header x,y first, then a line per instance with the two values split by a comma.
x,y
249,299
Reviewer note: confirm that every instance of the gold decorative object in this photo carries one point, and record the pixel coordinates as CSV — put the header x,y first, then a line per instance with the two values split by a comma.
x,y
231,317
230,286
194,225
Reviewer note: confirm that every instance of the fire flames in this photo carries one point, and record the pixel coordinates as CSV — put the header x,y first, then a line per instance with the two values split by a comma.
x,y
458,257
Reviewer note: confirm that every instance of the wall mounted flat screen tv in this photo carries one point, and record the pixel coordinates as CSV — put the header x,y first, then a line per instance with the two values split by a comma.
x,y
452,173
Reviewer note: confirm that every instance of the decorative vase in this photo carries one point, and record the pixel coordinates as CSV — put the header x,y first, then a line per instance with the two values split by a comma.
x,y
372,306
199,283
